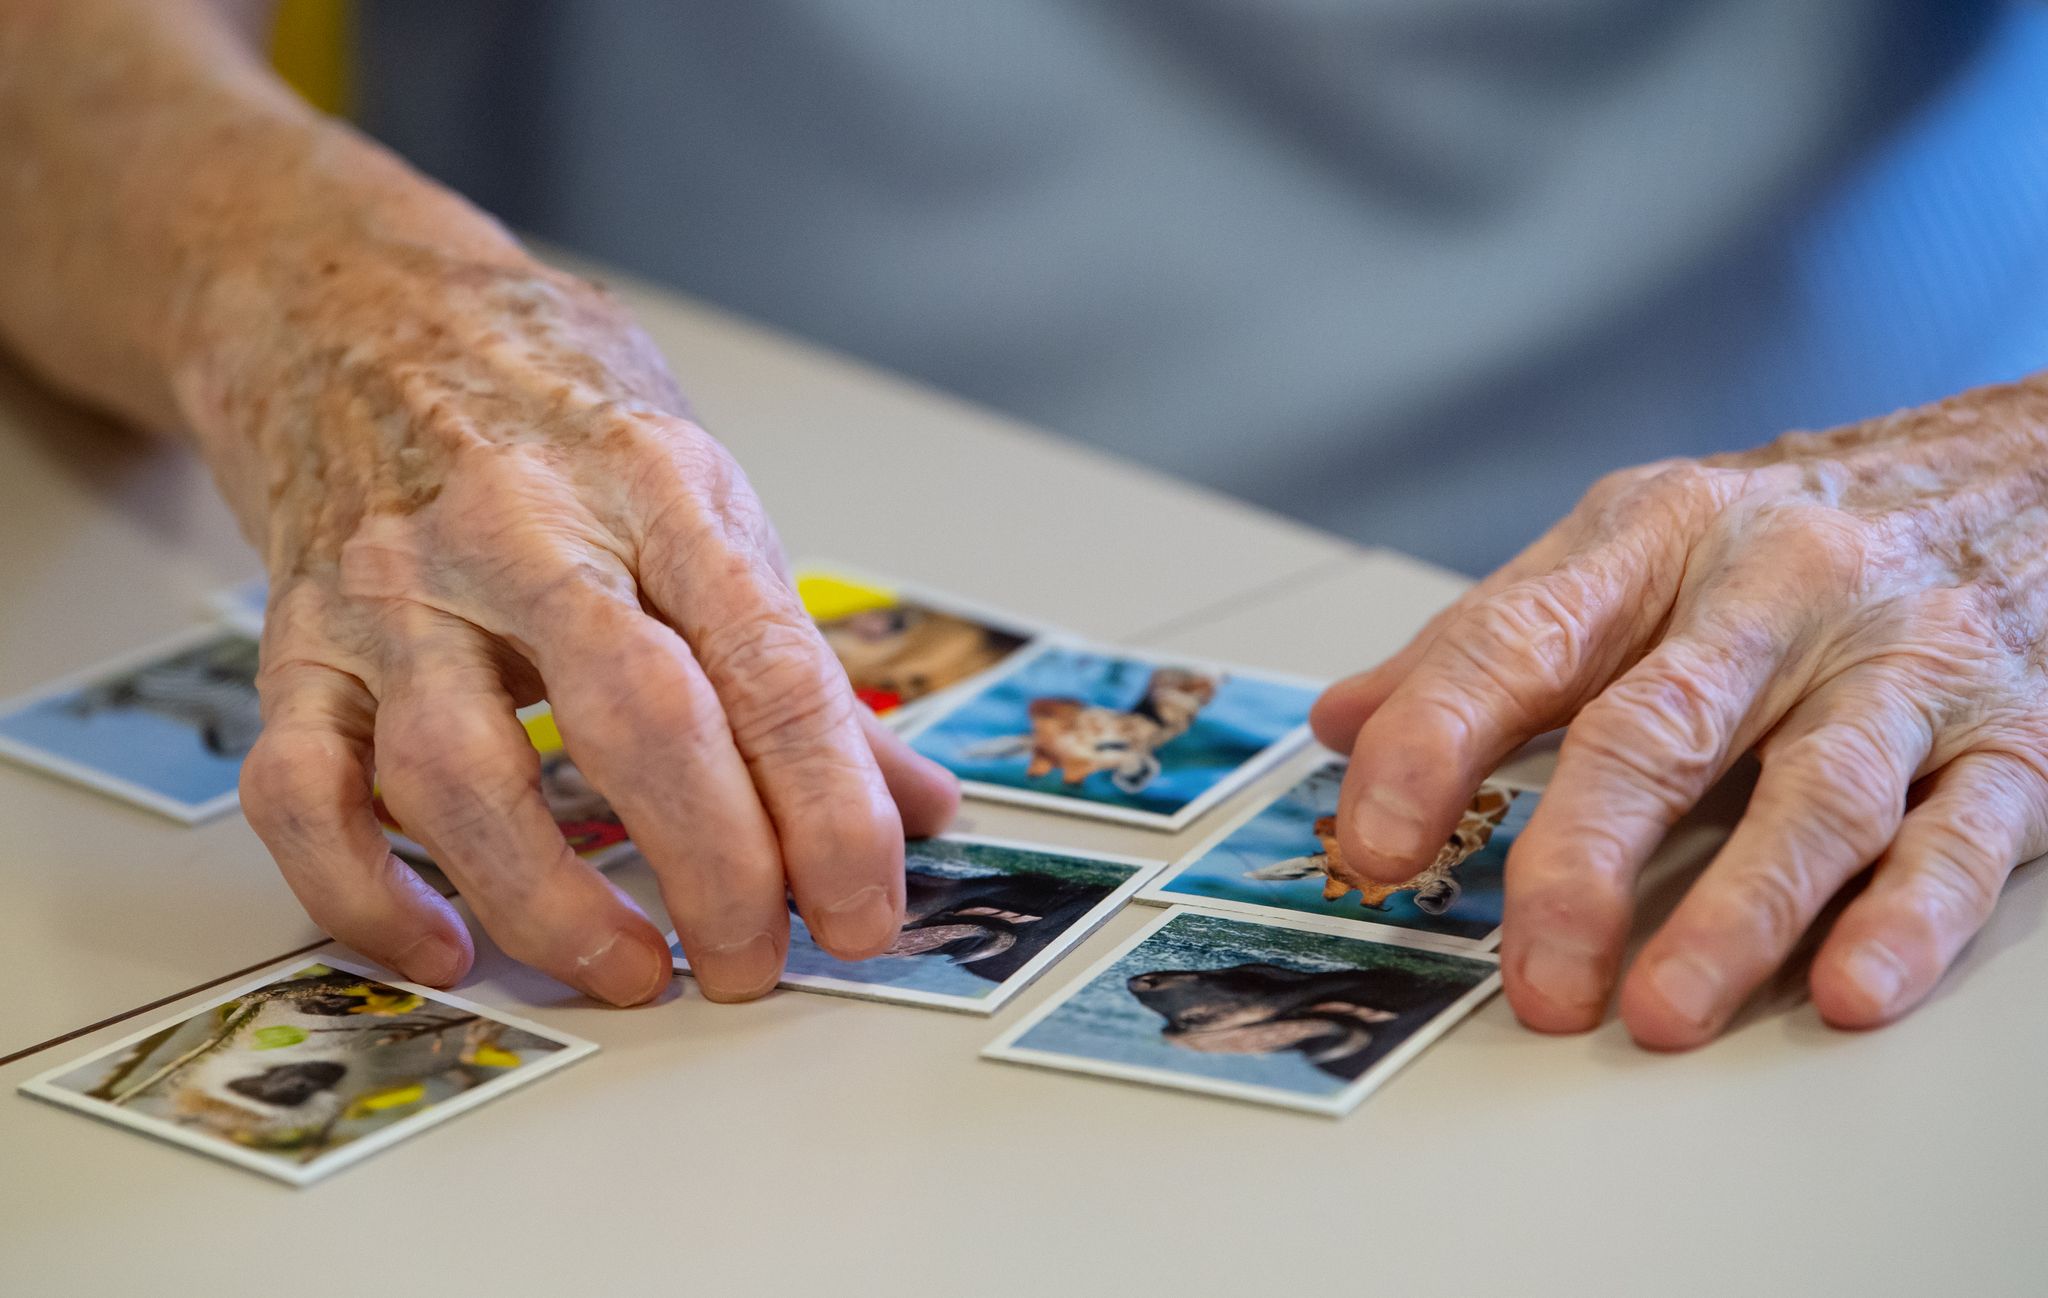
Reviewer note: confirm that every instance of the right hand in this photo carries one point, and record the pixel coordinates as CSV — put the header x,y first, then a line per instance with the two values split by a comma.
x,y
475,485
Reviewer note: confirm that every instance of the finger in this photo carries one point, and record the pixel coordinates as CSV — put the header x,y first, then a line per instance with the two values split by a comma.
x,y
1509,667
1347,704
792,716
927,795
1637,757
640,720
458,771
306,790
1934,888
1830,797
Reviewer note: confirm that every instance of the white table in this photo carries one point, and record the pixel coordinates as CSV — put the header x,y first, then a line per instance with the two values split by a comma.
x,y
814,1145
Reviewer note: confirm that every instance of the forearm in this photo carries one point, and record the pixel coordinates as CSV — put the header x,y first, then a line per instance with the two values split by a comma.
x,y
165,196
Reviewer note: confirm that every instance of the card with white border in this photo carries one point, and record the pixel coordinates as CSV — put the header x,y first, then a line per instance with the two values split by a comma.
x,y
165,728
1287,1014
906,645
985,917
1273,860
1117,734
309,1068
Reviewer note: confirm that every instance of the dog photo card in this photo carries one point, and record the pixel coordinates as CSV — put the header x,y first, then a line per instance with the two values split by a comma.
x,y
1278,1013
1275,860
302,1072
902,645
984,917
1116,734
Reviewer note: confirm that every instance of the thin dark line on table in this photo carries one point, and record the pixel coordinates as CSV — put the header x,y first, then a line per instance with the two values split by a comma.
x,y
1241,600
160,1002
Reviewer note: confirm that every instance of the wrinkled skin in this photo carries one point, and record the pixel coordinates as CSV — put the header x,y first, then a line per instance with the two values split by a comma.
x,y
475,484
1864,608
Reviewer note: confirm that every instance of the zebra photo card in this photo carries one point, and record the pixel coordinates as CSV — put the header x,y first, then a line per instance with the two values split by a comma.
x,y
1114,733
303,1072
1275,860
984,917
166,728
1284,1013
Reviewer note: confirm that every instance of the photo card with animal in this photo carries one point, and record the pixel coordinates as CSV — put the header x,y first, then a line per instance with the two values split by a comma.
x,y
902,645
165,728
1114,733
588,824
1287,1014
1281,858
309,1069
984,917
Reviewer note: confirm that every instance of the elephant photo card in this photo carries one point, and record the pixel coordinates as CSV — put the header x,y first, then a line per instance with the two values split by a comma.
x,y
984,917
1287,1014
309,1069
1275,859
1115,734
165,728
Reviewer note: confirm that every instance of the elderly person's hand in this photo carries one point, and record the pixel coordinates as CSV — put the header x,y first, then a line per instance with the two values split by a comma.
x,y
474,483
1864,608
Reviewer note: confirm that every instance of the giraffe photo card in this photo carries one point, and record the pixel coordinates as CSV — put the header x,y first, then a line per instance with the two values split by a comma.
x,y
984,917
1274,860
1285,1013
165,728
309,1069
1115,733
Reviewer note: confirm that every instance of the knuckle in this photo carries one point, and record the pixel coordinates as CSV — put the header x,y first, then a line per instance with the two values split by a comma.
x,y
1622,741
1953,891
779,690
1665,717
1530,643
1838,788
1824,544
1776,902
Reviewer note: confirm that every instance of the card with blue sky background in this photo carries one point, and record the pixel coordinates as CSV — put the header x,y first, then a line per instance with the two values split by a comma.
x,y
1270,861
1116,734
165,728
1288,1014
985,916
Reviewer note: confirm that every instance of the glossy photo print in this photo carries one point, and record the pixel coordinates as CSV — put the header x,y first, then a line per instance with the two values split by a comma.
x,y
1275,860
304,1072
901,645
165,729
1115,734
985,916
1255,1010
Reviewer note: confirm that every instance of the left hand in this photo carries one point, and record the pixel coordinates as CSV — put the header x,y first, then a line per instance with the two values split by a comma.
x,y
1864,607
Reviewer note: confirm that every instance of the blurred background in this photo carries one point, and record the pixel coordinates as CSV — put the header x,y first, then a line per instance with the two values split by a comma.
x,y
1412,270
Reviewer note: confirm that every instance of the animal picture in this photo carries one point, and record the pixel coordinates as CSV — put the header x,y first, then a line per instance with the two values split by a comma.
x,y
211,689
1077,740
1274,1011
1435,886
308,1063
903,652
991,926
1333,1018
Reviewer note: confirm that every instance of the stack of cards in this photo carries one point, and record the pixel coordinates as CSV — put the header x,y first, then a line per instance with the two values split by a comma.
x,y
1271,977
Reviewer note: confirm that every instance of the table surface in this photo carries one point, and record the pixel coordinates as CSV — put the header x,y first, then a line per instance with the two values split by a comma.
x,y
811,1144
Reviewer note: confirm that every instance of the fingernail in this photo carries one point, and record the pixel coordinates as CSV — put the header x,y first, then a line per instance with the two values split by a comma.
x,y
1690,987
1564,975
866,919
1877,971
1389,826
623,971
432,960
739,971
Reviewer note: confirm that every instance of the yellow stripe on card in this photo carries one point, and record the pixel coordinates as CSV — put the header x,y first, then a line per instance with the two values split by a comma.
x,y
827,598
541,732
